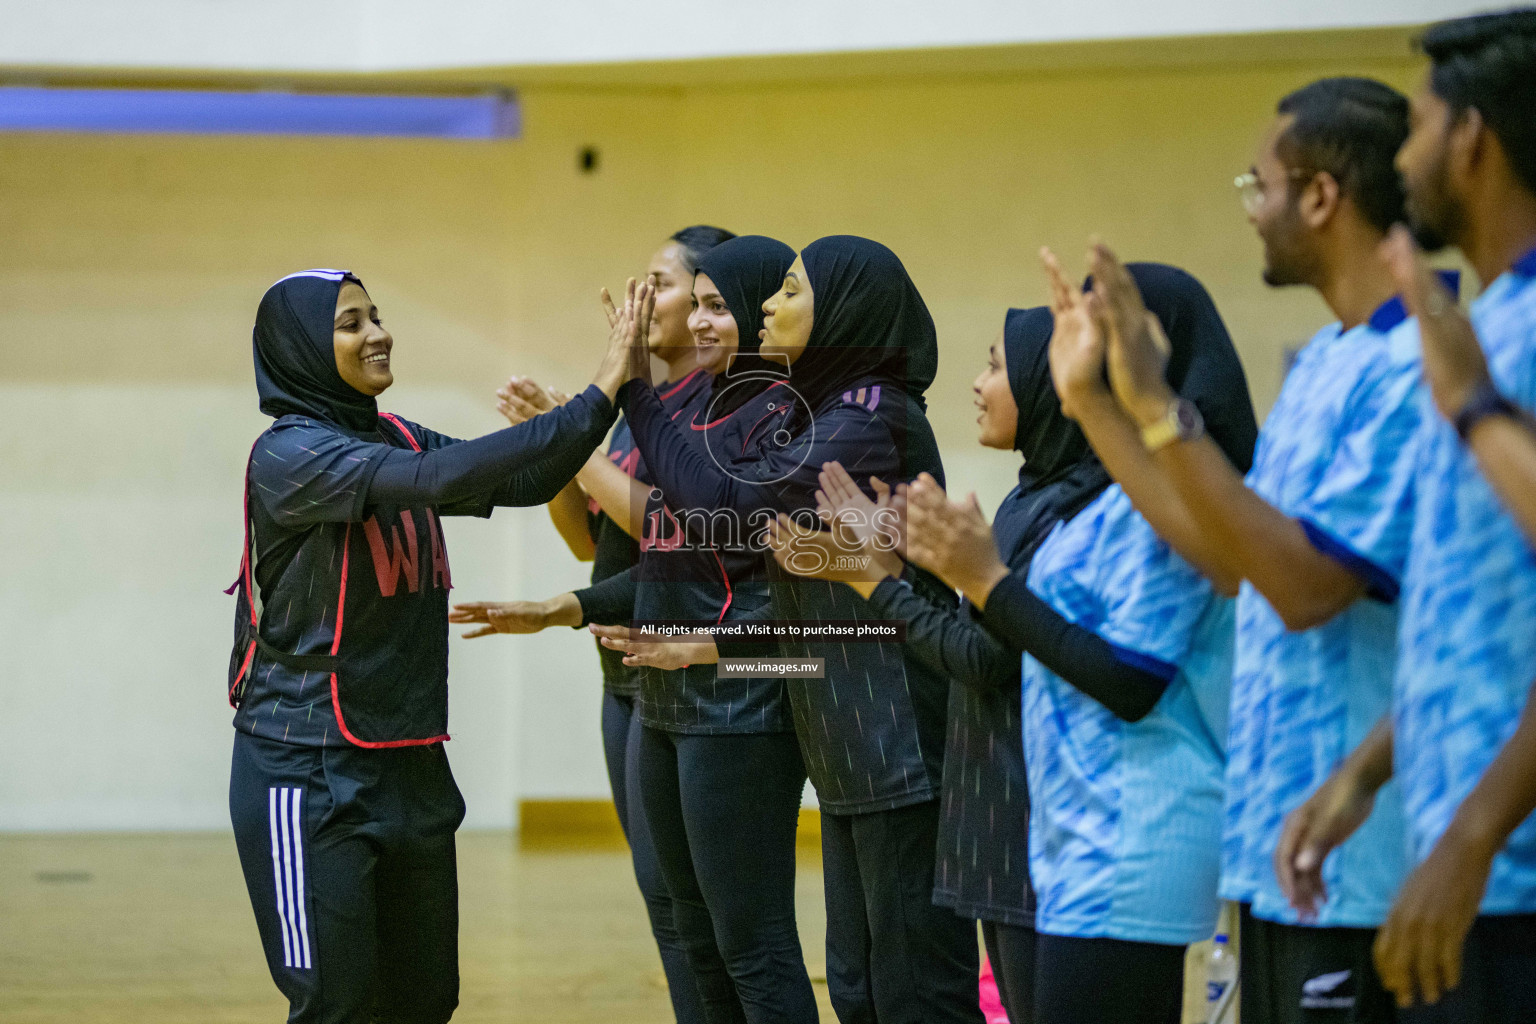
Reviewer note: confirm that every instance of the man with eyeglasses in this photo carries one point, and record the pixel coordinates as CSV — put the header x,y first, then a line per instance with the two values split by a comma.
x,y
1318,534
1459,946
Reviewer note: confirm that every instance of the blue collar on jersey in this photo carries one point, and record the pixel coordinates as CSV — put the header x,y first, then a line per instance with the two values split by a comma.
x,y
1525,266
1392,312
1388,315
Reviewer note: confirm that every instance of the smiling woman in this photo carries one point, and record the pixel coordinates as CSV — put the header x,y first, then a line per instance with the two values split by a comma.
x,y
714,328
598,516
701,744
361,342
862,349
323,766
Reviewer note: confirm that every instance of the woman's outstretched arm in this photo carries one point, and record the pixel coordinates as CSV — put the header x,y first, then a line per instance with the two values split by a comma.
x,y
529,463
522,465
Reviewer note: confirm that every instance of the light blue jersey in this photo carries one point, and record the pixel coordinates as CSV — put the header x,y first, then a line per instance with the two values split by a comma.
x,y
1468,635
1125,817
1335,454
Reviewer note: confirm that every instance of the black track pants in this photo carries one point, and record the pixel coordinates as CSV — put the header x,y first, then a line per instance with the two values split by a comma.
x,y
349,859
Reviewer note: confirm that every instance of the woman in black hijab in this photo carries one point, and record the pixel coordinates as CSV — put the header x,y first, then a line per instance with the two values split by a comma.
x,y
609,542
1062,476
720,770
861,350
1203,367
983,845
343,805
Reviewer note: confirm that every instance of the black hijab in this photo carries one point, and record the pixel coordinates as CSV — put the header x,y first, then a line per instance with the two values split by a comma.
x,y
1061,474
1203,366
747,270
296,357
870,325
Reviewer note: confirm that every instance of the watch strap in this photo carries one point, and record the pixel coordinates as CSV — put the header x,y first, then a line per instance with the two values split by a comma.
x,y
1486,401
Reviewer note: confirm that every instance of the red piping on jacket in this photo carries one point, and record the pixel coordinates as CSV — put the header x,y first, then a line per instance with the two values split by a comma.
x,y
674,389
245,576
341,604
728,593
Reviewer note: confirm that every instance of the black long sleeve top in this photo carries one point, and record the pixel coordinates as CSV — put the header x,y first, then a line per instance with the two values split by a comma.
x,y
614,551
341,632
1025,623
526,464
871,731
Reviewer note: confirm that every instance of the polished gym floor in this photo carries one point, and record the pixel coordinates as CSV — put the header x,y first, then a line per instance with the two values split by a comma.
x,y
156,928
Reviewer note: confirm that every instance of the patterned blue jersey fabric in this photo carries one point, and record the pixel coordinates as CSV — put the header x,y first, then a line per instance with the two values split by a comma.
x,y
1335,453
1468,631
1126,817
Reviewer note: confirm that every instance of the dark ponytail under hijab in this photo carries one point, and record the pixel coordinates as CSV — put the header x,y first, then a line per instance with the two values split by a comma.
x,y
695,241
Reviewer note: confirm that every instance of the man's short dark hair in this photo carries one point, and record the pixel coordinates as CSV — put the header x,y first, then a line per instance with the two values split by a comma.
x,y
696,240
1352,128
1488,62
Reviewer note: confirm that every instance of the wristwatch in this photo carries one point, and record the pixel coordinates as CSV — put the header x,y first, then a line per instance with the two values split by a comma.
x,y
1182,422
1485,402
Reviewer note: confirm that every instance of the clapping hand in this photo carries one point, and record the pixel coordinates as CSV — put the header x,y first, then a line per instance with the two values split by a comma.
x,y
500,617
628,355
1077,351
1454,364
633,322
1138,349
952,540
874,527
860,546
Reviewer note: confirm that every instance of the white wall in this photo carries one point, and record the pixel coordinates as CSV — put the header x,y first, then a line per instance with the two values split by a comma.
x,y
387,35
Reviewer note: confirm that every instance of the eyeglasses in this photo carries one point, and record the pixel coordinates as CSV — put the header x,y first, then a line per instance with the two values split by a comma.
x,y
1250,189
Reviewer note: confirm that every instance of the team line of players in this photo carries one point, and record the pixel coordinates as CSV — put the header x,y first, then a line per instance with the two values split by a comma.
x,y
1191,660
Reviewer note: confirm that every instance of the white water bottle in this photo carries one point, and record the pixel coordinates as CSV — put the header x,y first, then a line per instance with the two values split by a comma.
x,y
1220,983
